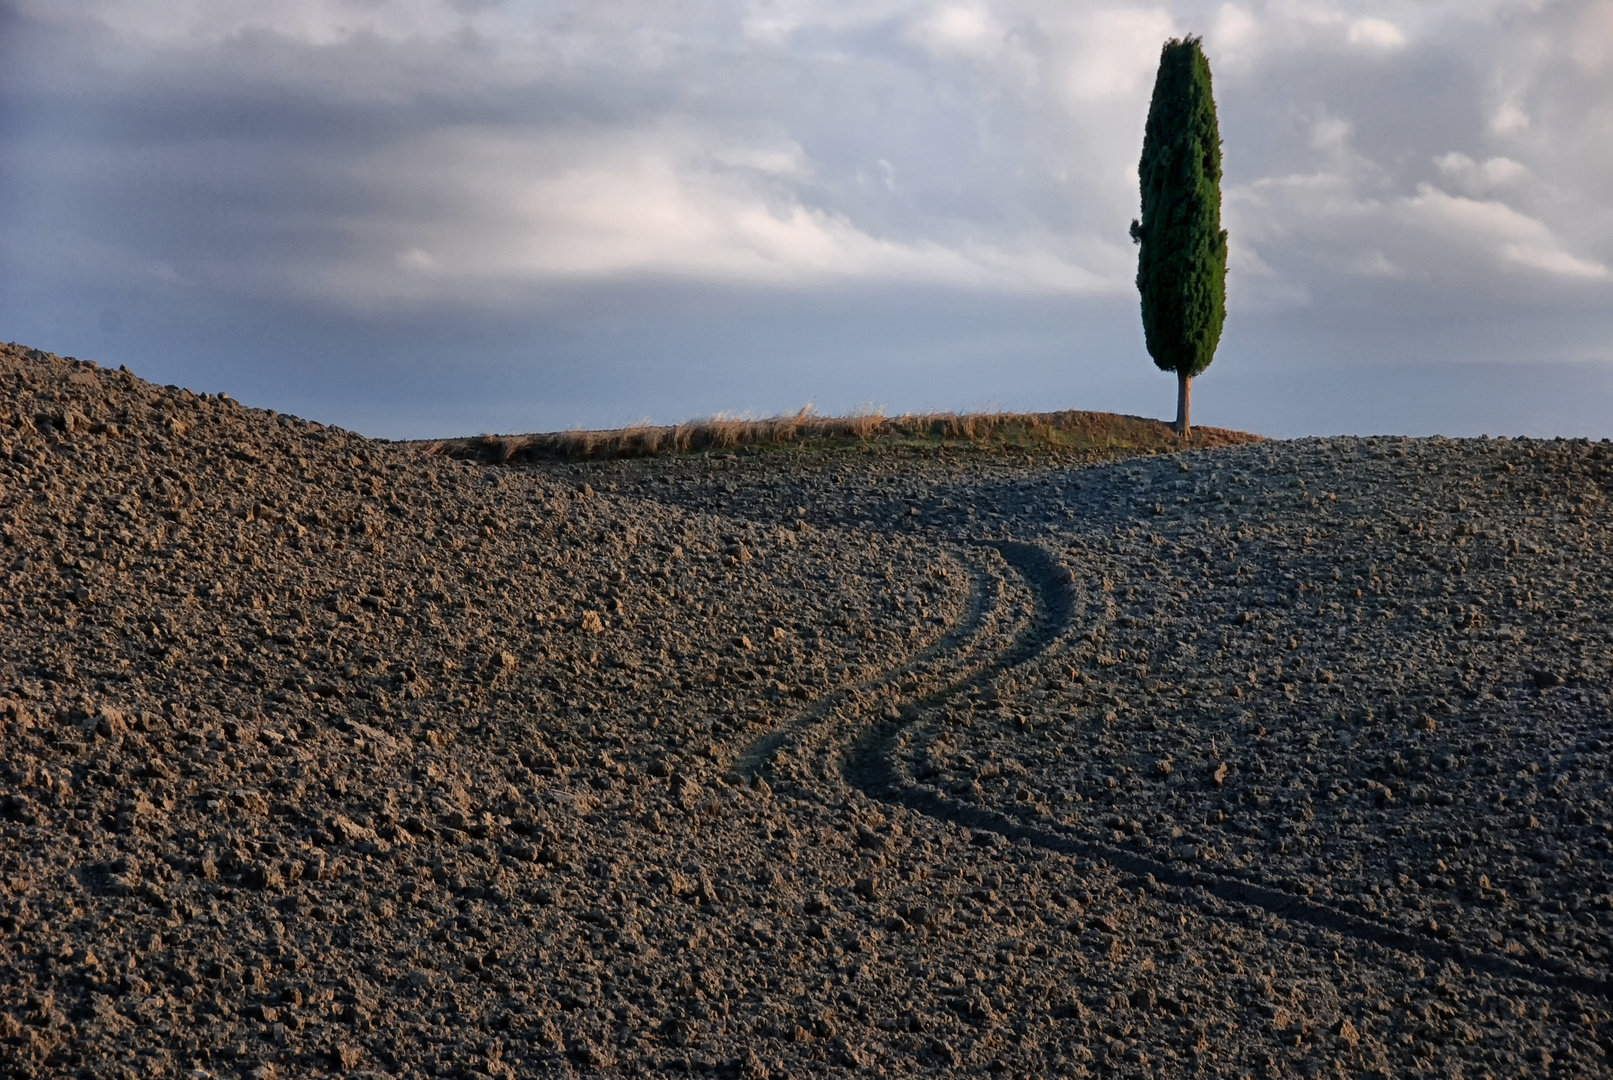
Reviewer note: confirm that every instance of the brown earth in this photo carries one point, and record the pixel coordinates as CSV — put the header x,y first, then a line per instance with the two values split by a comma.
x,y
323,755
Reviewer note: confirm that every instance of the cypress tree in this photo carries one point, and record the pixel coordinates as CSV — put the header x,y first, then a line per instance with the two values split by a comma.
x,y
1182,257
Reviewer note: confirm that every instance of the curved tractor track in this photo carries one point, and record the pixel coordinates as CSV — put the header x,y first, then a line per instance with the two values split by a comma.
x,y
1023,604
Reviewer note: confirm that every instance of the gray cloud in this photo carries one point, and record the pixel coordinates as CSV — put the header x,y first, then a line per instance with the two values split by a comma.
x,y
906,202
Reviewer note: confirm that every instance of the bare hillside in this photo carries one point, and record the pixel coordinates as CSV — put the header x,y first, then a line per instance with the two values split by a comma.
x,y
328,756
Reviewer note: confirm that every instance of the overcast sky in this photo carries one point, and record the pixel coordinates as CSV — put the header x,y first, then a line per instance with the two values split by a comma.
x,y
432,217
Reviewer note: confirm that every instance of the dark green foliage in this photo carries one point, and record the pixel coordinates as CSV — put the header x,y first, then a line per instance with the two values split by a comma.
x,y
1182,264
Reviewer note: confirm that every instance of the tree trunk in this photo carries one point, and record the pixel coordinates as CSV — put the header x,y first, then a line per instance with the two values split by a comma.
x,y
1184,398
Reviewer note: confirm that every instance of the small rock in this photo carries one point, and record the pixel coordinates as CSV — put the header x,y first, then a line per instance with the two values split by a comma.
x,y
108,721
751,1067
265,876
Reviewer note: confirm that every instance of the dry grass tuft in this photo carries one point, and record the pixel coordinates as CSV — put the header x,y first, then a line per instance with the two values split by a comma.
x,y
1070,430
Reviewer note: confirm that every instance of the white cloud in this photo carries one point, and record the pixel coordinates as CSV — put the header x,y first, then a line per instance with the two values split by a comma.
x,y
1379,34
1113,54
415,260
1554,260
1509,119
989,144
1346,224
959,29
655,204
775,21
1481,178
1376,264
1234,37
782,159
1331,134
1593,38
1087,55
1491,226
313,22
1244,36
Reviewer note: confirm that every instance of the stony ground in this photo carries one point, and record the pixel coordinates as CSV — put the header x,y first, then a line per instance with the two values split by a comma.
x,y
323,756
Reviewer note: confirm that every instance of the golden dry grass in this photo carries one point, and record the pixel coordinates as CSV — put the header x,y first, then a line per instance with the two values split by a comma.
x,y
1070,430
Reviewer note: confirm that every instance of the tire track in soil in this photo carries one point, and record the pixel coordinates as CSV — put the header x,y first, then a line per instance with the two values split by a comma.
x,y
785,755
868,761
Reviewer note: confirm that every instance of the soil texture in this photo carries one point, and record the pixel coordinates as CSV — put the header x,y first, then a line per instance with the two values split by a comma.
x,y
326,756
